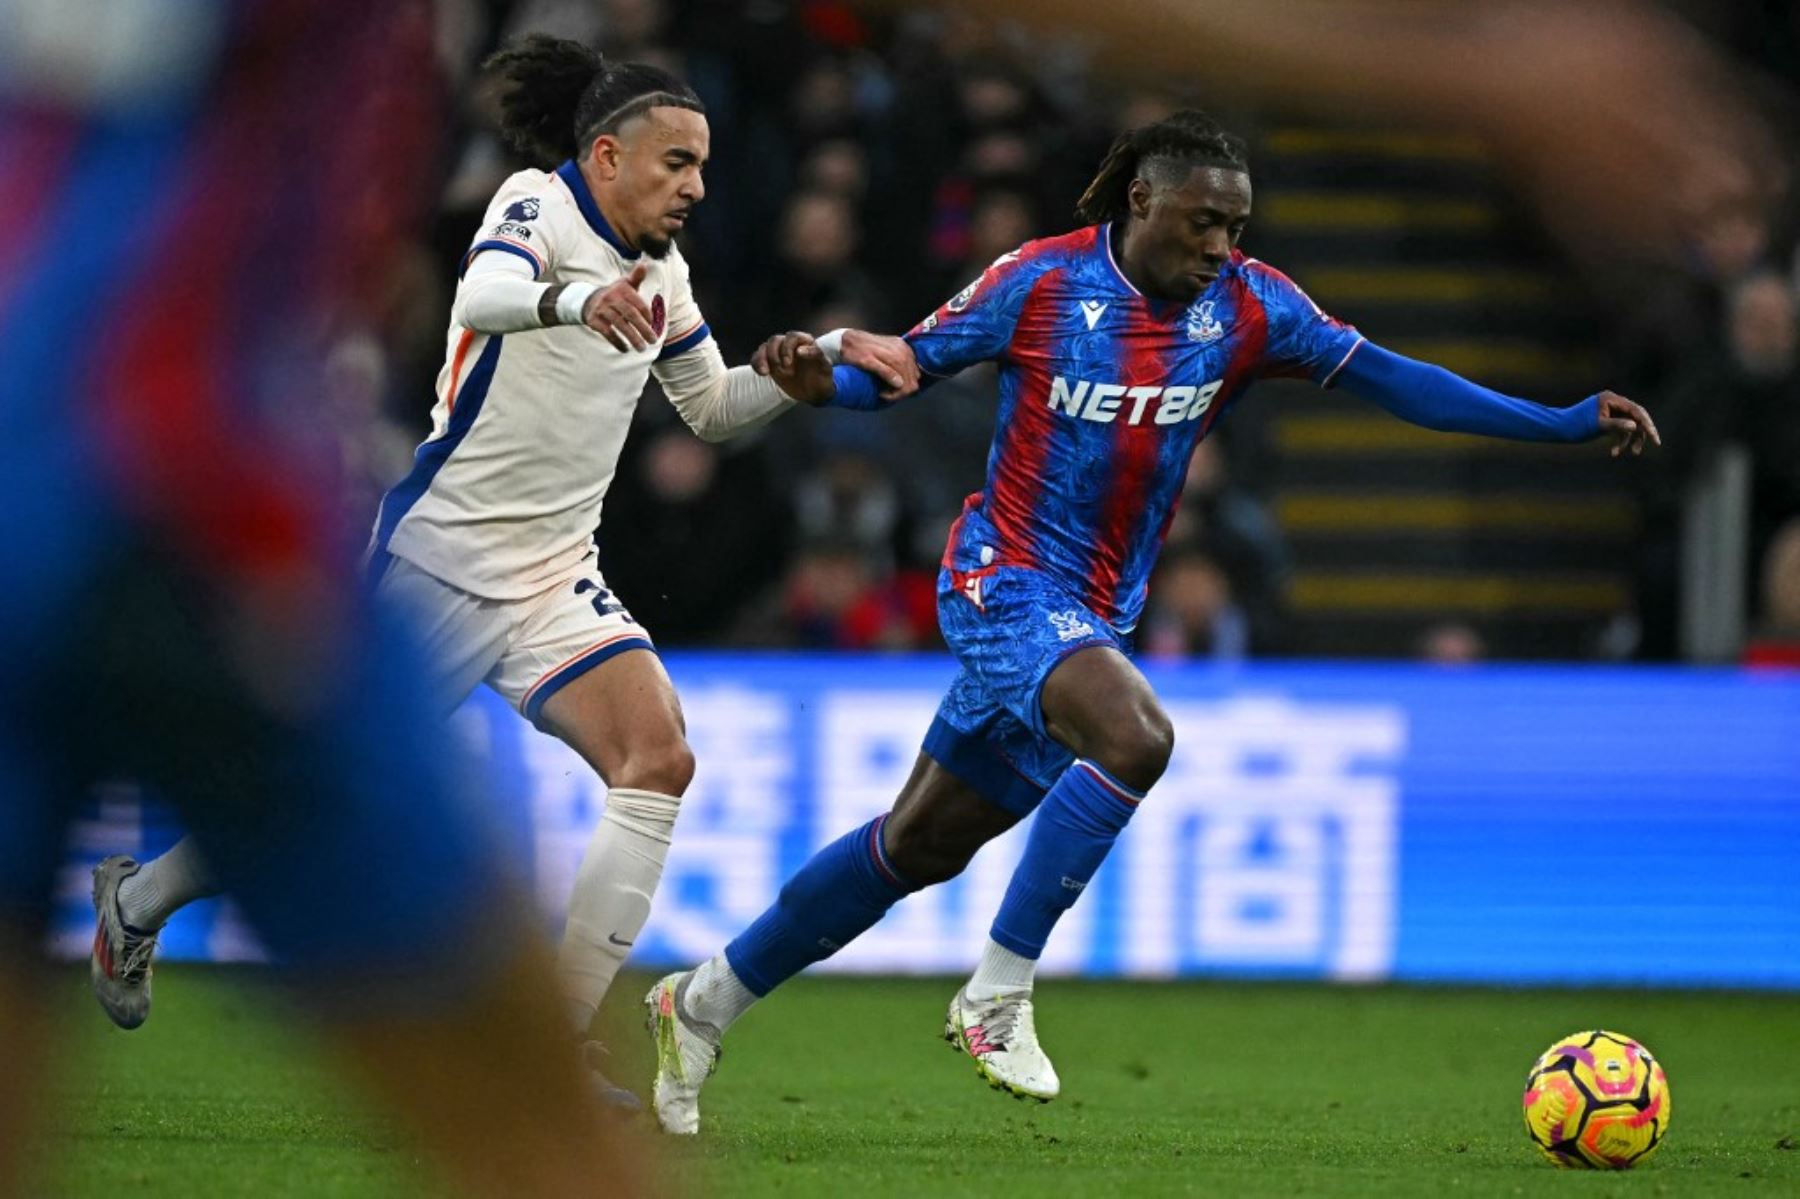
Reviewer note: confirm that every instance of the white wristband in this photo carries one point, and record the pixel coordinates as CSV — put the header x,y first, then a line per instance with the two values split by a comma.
x,y
832,346
573,299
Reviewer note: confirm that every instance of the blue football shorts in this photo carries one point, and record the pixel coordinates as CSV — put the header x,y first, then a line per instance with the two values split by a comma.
x,y
1009,627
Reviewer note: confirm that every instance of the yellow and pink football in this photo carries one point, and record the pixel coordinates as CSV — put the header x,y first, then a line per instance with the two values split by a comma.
x,y
1597,1100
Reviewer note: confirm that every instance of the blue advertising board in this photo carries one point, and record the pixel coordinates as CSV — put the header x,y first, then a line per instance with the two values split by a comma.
x,y
1353,822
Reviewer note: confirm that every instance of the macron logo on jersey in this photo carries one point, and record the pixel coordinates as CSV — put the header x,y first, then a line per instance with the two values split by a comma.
x,y
1107,402
1092,310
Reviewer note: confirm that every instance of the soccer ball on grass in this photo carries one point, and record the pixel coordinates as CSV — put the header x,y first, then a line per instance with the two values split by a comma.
x,y
1597,1100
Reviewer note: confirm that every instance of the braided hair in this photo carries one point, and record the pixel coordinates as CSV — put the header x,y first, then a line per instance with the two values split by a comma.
x,y
560,95
1189,138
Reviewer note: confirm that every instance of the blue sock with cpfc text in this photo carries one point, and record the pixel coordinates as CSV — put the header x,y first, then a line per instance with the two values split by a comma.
x,y
835,898
1080,818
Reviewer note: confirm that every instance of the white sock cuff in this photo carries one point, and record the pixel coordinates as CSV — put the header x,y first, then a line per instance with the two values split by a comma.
x,y
717,996
1001,971
650,813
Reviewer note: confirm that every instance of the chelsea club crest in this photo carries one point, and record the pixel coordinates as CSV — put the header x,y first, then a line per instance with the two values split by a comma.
x,y
1201,326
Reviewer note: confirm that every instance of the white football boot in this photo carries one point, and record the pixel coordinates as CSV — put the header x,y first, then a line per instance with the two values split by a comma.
x,y
119,966
610,1093
1001,1036
687,1052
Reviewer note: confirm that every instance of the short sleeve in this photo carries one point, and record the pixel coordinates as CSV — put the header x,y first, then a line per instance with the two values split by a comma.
x,y
977,323
1303,342
684,329
519,221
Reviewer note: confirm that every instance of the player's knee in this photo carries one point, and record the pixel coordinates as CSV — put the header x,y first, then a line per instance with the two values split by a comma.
x,y
1136,747
925,855
666,768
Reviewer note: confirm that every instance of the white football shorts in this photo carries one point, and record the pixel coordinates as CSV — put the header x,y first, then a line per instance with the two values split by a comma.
x,y
527,650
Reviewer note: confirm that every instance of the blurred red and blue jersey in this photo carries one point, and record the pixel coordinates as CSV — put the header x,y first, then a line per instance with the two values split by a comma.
x,y
202,199
1104,394
196,206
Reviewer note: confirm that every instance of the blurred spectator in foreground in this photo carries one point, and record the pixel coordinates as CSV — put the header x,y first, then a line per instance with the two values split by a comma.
x,y
1617,119
183,608
1451,643
1192,612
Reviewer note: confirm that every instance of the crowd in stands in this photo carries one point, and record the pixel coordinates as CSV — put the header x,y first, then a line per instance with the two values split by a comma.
x,y
868,162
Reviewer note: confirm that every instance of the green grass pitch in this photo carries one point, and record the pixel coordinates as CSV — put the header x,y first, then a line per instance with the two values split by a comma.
x,y
841,1087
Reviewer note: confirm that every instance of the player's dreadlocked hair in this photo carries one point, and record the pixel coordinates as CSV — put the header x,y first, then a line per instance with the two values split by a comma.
x,y
1188,137
560,95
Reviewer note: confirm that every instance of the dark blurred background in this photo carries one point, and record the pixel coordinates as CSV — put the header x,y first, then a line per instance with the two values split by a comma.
x,y
866,164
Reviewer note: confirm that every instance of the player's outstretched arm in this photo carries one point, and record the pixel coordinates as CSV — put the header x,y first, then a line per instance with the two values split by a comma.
x,y
848,368
790,367
1434,398
716,403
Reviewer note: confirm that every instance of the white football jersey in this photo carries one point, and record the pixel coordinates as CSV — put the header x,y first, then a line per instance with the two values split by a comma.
x,y
505,495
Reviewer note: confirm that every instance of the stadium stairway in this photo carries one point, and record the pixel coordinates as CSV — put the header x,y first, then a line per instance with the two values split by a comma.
x,y
1410,237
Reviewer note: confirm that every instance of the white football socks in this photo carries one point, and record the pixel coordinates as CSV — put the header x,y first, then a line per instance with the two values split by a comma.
x,y
1001,972
613,887
163,885
717,996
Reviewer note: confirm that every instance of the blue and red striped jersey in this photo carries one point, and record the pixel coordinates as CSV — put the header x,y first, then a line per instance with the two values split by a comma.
x,y
1104,394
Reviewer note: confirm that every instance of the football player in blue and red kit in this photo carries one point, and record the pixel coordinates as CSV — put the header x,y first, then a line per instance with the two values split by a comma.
x,y
1120,346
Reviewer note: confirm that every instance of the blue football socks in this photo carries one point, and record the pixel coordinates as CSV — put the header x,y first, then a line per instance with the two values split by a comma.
x,y
836,897
1080,818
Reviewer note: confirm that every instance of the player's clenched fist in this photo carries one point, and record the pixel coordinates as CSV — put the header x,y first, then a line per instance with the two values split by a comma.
x,y
619,314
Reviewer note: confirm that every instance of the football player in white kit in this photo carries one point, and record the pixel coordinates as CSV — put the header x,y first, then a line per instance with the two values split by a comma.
x,y
571,296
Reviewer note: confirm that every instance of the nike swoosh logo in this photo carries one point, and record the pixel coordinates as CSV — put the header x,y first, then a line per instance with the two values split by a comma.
x,y
613,937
